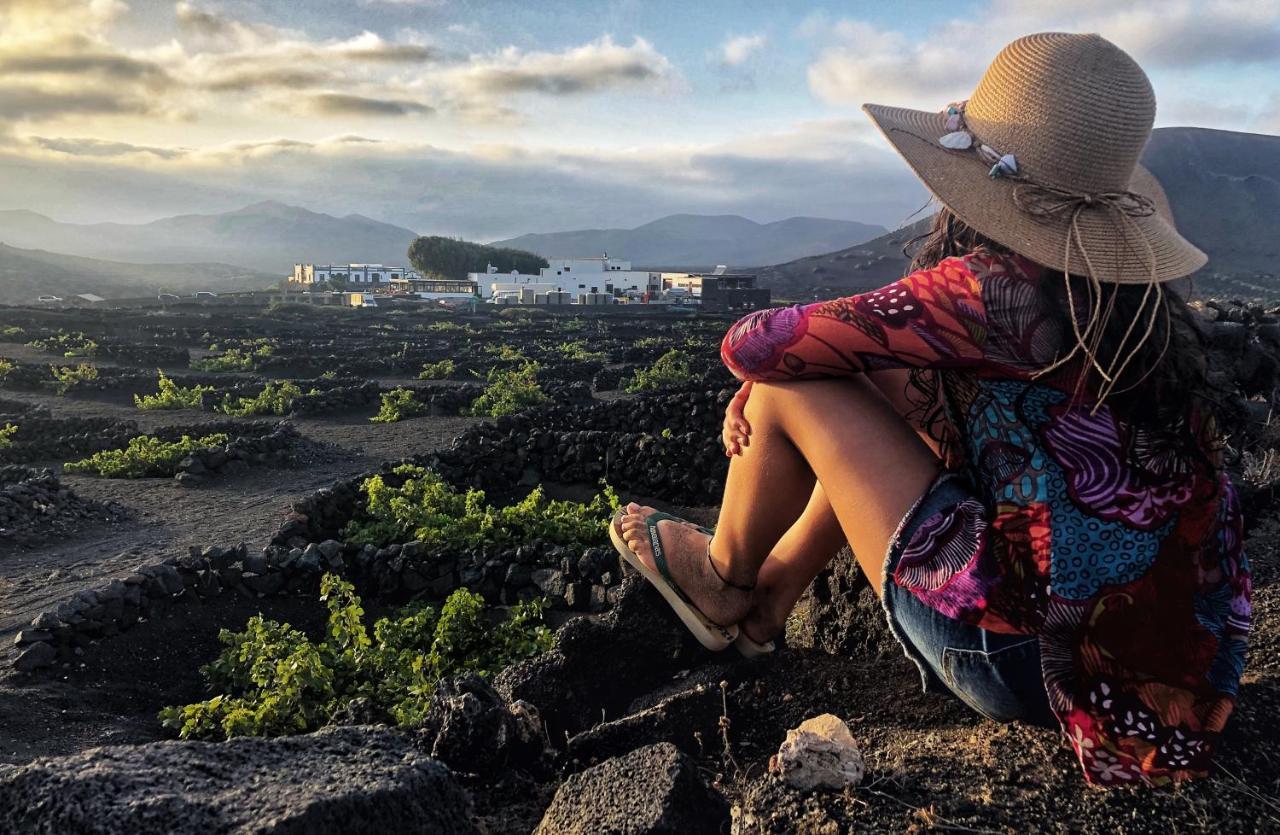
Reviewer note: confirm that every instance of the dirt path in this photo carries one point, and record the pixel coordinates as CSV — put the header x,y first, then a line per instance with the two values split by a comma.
x,y
167,519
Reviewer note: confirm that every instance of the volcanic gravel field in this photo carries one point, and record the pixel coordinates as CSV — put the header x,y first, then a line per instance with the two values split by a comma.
x,y
634,727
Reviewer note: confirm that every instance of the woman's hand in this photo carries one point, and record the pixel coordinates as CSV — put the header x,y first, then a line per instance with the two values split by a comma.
x,y
737,432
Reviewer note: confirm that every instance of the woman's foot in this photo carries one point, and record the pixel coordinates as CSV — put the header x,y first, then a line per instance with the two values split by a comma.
x,y
685,548
765,621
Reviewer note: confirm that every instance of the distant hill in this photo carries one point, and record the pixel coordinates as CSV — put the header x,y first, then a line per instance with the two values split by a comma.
x,y
26,274
268,236
1223,187
702,241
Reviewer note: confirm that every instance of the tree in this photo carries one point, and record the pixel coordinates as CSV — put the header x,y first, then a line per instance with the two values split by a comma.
x,y
440,257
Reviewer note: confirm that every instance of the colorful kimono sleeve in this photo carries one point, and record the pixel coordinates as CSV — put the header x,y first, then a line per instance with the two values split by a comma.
x,y
930,319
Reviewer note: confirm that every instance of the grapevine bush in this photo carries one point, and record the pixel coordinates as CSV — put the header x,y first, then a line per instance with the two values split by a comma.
x,y
6,434
274,399
144,456
428,509
578,351
170,395
234,359
669,370
272,680
65,378
509,391
67,344
438,370
398,404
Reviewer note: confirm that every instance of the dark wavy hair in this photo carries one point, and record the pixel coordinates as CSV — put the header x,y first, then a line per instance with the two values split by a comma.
x,y
1164,392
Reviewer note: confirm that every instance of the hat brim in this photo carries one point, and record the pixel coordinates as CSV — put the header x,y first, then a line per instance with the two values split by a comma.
x,y
1117,250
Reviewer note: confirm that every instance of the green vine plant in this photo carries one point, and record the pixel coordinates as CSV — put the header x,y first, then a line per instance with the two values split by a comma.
x,y
272,680
428,509
234,359
65,378
578,351
7,367
669,370
438,370
509,391
170,395
398,404
70,345
145,456
6,435
276,398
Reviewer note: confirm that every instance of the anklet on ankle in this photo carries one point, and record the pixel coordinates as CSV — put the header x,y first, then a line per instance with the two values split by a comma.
x,y
716,571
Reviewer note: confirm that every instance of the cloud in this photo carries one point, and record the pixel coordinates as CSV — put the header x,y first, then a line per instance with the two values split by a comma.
x,y
19,102
592,67
82,147
343,104
483,193
737,49
860,62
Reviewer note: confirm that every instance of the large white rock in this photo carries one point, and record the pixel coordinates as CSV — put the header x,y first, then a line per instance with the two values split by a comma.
x,y
820,753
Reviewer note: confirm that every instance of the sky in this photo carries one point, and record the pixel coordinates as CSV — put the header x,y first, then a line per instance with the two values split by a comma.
x,y
487,118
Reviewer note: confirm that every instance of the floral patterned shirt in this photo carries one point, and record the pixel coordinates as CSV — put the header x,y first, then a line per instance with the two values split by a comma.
x,y
1124,559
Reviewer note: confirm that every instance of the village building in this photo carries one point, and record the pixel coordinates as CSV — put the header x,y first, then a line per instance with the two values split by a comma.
x,y
577,277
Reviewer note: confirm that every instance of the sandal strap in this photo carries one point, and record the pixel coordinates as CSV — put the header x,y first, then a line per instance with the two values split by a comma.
x,y
727,582
660,556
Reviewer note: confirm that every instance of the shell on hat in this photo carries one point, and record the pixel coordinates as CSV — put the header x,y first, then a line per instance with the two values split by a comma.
x,y
959,140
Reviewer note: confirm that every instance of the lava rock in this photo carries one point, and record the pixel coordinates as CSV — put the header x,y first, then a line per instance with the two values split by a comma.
x,y
652,790
341,780
474,729
35,657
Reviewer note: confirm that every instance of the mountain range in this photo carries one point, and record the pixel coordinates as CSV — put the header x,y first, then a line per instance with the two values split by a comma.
x,y
702,241
28,273
266,236
1223,187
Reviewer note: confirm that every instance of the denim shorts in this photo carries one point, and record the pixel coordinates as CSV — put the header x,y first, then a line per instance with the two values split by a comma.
x,y
995,673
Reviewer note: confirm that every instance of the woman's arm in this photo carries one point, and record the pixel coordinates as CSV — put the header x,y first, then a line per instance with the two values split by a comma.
x,y
930,319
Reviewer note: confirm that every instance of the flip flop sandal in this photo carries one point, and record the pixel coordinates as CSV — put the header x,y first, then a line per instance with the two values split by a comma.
x,y
710,634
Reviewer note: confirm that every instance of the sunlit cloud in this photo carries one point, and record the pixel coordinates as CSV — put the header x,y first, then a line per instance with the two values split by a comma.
x,y
738,48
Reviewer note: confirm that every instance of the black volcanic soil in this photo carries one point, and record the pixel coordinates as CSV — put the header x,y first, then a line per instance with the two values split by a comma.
x,y
932,764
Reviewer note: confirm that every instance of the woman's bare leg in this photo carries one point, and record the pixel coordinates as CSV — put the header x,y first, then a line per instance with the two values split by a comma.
x,y
871,464
816,537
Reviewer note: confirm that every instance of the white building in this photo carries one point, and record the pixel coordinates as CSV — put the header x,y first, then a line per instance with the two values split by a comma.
x,y
354,275
575,276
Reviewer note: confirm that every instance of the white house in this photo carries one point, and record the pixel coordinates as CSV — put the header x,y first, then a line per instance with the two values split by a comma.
x,y
574,276
355,275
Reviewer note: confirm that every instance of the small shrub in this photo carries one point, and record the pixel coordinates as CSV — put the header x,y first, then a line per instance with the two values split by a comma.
x,y
671,369
447,327
6,435
506,353
68,344
170,395
65,378
12,332
428,509
276,398
438,370
653,342
6,368
234,359
144,456
398,404
509,392
276,681
577,350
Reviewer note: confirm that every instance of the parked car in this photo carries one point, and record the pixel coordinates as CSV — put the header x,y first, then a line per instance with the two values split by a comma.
x,y
369,303
169,298
204,295
49,299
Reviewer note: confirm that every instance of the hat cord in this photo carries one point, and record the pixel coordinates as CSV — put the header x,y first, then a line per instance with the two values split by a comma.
x,y
1047,203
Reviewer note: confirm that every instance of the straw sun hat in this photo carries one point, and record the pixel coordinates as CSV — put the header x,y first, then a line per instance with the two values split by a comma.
x,y
1043,158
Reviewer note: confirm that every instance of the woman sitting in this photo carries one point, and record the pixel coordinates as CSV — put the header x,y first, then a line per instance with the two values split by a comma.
x,y
1014,439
